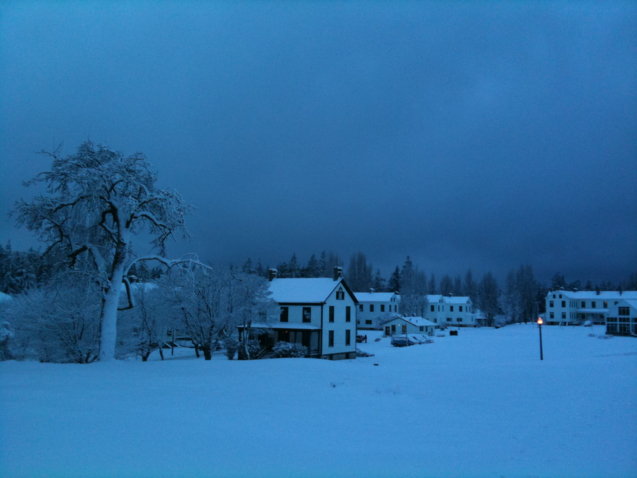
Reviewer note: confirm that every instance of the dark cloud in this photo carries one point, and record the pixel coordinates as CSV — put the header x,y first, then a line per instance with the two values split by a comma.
x,y
465,135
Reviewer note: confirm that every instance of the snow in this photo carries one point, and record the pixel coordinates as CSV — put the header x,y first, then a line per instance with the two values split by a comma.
x,y
479,404
593,295
304,290
5,297
417,321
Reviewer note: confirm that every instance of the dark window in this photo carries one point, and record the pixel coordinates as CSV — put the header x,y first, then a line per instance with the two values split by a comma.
x,y
560,296
360,307
348,336
552,315
563,315
459,319
404,329
331,339
583,304
382,307
422,328
593,305
393,328
307,314
551,304
371,307
432,308
448,319
563,303
624,310
451,308
348,314
368,322
331,313
605,304
284,314
340,295
460,308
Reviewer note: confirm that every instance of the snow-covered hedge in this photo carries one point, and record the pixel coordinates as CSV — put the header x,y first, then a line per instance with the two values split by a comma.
x,y
253,349
286,349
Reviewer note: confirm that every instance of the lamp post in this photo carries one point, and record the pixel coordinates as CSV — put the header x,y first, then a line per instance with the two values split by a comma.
x,y
539,323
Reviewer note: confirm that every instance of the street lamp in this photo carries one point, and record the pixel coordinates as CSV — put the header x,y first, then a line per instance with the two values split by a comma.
x,y
539,323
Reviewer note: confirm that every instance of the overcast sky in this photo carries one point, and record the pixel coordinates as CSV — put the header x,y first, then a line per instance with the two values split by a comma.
x,y
466,135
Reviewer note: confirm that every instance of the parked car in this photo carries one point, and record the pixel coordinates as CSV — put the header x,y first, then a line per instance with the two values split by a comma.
x,y
402,341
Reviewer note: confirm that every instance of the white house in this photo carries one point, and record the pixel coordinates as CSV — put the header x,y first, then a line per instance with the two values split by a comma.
x,y
375,307
621,319
409,325
565,307
317,313
456,311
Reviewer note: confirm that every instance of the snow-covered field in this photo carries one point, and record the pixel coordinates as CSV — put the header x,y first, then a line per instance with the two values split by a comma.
x,y
480,404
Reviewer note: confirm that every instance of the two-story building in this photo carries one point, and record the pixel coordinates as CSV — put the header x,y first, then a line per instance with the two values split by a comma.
x,y
565,307
375,308
318,313
456,311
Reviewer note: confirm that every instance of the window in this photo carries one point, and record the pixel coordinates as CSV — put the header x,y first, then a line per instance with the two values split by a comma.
x,y
421,328
624,310
331,339
432,308
551,304
605,305
331,313
368,322
371,307
395,308
448,319
552,315
563,303
560,296
360,307
284,314
593,305
393,328
348,337
451,308
307,314
563,315
459,319
340,294
404,329
554,296
583,304
348,314
382,307
460,307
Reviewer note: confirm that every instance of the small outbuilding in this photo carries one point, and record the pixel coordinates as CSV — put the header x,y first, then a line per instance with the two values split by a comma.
x,y
409,325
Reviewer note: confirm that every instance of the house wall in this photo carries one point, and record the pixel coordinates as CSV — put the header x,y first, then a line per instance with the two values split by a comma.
x,y
620,323
339,326
367,319
445,313
411,328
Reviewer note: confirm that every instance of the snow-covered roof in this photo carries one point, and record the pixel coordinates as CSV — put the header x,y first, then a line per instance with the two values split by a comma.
x,y
374,296
5,297
630,302
284,325
593,295
434,298
306,290
456,300
417,321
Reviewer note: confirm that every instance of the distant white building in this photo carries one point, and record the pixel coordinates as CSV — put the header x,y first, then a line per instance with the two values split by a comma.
x,y
456,311
621,319
409,325
566,307
374,308
317,313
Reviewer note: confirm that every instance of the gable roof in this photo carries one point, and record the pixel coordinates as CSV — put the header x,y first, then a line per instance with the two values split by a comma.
x,y
306,290
374,296
417,321
456,300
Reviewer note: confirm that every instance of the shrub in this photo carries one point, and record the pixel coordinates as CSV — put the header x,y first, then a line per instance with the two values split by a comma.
x,y
286,349
231,347
253,349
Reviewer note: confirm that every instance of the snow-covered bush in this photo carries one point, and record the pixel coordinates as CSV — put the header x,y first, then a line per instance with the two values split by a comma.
x,y
249,350
6,334
286,349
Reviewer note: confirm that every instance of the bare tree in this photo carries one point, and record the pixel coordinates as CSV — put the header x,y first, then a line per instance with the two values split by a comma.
x,y
97,201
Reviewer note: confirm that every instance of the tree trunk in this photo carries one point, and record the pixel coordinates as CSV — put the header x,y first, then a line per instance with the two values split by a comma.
x,y
110,302
207,353
196,350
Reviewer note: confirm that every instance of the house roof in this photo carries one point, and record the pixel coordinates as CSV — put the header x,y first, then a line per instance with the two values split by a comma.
x,y
630,302
306,290
374,296
593,295
417,321
456,300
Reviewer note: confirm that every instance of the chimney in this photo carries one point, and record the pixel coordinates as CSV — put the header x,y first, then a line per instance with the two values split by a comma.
x,y
271,274
338,273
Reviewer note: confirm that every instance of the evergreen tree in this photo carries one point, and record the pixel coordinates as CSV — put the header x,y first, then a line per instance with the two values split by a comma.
x,y
378,282
431,288
470,288
457,286
446,285
359,273
394,281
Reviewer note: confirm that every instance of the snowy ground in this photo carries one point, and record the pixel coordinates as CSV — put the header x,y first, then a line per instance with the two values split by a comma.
x,y
480,404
